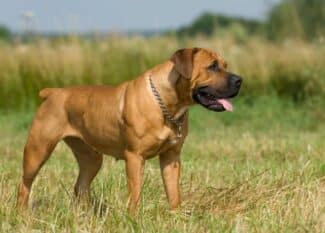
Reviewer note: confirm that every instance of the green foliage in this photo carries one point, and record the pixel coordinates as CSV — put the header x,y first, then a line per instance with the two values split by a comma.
x,y
296,84
299,19
303,19
5,33
208,24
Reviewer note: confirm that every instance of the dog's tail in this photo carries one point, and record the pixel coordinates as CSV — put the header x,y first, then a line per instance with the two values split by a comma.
x,y
46,92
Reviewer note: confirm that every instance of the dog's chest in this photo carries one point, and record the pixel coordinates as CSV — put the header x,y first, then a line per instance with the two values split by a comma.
x,y
159,141
168,136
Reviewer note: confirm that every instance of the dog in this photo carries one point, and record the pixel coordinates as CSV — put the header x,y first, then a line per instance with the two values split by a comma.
x,y
133,121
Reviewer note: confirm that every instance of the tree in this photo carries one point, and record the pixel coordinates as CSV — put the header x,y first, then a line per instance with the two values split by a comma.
x,y
297,18
5,33
210,23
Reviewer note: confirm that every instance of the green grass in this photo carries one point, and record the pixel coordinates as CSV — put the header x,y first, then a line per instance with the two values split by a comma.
x,y
267,68
258,169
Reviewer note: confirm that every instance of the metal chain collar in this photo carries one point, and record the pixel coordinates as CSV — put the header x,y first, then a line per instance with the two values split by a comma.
x,y
177,122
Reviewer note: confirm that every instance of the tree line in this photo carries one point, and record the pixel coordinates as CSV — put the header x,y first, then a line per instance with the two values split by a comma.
x,y
303,19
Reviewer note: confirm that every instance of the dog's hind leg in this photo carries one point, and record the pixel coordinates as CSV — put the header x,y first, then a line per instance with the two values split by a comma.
x,y
45,133
37,150
89,162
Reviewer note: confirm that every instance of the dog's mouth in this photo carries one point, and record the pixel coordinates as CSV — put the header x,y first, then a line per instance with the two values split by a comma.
x,y
209,99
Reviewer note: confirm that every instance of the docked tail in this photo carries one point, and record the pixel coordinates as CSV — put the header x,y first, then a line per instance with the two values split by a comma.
x,y
46,92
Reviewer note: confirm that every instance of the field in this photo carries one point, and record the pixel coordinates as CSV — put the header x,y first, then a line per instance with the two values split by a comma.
x,y
258,169
268,68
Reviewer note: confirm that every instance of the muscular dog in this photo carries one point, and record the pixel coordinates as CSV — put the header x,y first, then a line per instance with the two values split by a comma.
x,y
134,121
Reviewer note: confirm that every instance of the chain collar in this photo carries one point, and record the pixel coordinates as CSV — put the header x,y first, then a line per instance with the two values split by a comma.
x,y
178,122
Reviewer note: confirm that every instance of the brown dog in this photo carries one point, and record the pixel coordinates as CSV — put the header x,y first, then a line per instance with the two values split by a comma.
x,y
133,121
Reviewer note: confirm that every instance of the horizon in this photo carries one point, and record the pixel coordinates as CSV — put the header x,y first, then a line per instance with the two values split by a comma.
x,y
103,17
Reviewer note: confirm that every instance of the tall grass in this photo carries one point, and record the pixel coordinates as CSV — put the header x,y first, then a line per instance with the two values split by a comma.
x,y
293,69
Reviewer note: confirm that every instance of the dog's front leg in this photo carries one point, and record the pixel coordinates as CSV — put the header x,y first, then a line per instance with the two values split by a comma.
x,y
134,172
170,166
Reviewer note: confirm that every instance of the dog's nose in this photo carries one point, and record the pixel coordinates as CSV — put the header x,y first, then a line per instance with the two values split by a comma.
x,y
236,81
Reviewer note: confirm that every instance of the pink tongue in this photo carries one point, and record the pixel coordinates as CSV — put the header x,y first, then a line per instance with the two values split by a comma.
x,y
226,104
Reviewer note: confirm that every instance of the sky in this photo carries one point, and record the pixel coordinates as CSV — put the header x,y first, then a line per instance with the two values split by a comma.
x,y
121,15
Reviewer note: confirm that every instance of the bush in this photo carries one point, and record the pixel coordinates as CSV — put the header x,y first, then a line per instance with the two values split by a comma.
x,y
209,24
5,33
303,19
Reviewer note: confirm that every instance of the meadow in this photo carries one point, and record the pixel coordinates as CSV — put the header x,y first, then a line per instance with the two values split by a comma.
x,y
292,69
260,168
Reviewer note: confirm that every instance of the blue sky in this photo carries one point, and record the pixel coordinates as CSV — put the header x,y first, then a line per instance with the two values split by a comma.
x,y
122,15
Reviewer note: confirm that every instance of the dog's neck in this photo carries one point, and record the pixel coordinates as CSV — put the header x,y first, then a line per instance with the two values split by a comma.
x,y
173,89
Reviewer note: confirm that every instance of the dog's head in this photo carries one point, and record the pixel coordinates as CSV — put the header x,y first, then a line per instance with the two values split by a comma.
x,y
211,85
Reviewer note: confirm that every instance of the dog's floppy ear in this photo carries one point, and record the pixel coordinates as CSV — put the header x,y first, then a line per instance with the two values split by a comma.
x,y
183,60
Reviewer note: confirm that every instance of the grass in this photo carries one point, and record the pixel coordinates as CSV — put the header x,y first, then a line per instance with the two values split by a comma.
x,y
293,69
258,169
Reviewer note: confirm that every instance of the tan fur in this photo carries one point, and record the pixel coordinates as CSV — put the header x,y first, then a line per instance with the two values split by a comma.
x,y
123,121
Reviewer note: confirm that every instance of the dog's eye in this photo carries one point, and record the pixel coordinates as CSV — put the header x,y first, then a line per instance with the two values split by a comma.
x,y
214,67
